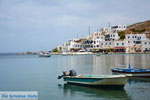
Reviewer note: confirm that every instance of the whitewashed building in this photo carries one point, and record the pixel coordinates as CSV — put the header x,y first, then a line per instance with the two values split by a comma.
x,y
96,34
108,39
118,28
65,47
111,36
104,30
134,42
120,46
146,45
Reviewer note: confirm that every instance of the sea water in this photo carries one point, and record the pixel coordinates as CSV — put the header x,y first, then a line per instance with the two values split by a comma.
x,y
34,73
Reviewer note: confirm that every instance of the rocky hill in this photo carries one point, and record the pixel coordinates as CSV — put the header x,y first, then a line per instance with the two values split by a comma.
x,y
139,28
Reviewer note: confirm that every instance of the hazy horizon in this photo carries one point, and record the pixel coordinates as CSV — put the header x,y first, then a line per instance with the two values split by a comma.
x,y
34,25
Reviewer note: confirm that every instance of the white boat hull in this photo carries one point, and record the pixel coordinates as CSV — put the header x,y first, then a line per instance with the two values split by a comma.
x,y
113,80
146,75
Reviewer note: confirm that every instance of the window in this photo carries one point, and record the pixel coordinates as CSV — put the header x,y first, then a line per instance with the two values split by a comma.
x,y
113,35
128,37
132,36
122,43
109,43
138,42
114,27
145,43
149,42
102,44
117,43
133,41
97,45
106,43
145,49
94,42
87,42
135,36
138,38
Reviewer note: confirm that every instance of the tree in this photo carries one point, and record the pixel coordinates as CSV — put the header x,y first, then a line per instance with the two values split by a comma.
x,y
121,34
55,50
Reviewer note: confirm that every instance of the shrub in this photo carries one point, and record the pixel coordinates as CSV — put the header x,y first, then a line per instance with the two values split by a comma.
x,y
121,34
55,50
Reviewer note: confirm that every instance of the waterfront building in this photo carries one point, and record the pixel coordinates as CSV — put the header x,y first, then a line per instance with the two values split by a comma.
x,y
76,45
107,44
88,44
120,46
65,47
146,45
108,40
71,46
134,42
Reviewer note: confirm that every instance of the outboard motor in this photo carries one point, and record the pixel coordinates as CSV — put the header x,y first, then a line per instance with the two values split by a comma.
x,y
64,74
72,73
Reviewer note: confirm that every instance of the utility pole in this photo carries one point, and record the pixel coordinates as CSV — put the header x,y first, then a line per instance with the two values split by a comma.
x,y
109,24
109,27
89,30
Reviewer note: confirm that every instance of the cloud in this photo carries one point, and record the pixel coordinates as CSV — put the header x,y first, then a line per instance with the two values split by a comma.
x,y
39,15
58,21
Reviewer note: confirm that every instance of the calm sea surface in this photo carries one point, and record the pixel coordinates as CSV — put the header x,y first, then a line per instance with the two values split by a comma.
x,y
32,73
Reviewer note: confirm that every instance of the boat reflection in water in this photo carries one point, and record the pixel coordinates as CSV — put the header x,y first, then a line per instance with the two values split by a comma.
x,y
138,80
74,90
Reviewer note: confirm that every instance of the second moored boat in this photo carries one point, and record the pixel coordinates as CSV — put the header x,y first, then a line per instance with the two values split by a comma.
x,y
134,72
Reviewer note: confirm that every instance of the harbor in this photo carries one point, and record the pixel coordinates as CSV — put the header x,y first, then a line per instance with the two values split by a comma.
x,y
74,50
34,73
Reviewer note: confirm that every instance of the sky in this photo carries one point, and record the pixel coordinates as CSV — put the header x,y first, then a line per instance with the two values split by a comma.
x,y
34,25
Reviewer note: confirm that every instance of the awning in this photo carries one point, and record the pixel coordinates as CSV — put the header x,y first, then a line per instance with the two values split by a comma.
x,y
119,48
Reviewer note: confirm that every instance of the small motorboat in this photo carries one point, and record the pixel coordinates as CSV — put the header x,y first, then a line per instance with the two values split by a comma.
x,y
102,81
44,55
134,72
114,81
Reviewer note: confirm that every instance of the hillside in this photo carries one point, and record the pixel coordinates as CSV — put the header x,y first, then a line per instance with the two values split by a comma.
x,y
138,28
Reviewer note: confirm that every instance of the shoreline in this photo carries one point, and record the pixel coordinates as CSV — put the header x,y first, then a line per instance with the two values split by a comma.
x,y
96,53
